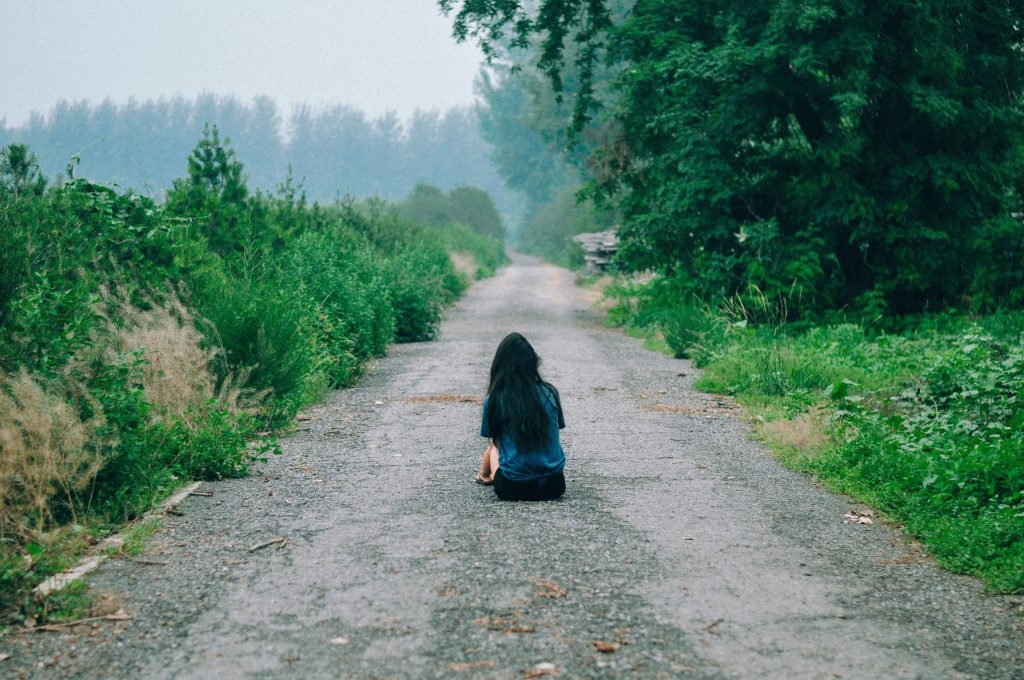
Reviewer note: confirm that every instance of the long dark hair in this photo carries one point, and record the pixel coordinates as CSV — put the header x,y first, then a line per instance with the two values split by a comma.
x,y
515,406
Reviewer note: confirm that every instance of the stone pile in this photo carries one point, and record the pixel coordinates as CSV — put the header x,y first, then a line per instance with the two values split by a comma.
x,y
598,249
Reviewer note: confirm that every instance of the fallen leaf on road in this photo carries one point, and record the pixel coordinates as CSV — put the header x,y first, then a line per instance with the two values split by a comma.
x,y
470,665
858,517
378,403
339,641
549,589
540,669
606,647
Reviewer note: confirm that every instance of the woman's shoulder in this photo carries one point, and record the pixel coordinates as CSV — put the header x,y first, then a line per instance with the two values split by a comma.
x,y
549,391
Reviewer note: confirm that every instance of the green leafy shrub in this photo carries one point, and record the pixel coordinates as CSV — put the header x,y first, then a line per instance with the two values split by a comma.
x,y
919,416
341,272
266,324
469,206
113,391
928,428
422,280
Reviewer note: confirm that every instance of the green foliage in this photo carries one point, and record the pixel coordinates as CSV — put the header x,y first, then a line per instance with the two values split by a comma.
x,y
465,205
340,270
560,22
215,195
526,125
856,155
137,535
19,172
548,230
426,204
943,453
267,323
474,208
70,603
486,252
423,281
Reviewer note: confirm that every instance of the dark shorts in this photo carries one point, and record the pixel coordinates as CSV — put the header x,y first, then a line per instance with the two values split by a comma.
x,y
541,489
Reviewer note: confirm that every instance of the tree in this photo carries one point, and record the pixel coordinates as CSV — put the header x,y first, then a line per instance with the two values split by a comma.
x,y
836,151
474,208
19,172
426,204
216,192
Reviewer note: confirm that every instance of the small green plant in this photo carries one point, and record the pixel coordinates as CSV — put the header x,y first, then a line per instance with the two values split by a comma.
x,y
70,603
137,535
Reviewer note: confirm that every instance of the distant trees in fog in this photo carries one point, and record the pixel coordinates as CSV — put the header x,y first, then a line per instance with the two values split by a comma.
x,y
335,150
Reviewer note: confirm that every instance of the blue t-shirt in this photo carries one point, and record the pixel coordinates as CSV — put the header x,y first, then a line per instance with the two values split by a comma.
x,y
523,466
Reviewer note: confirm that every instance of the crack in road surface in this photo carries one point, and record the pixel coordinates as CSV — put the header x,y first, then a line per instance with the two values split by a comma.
x,y
680,549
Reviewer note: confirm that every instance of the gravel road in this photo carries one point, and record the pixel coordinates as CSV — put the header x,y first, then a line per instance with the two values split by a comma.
x,y
680,546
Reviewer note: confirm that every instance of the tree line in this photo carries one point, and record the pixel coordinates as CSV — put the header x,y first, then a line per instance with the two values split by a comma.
x,y
333,151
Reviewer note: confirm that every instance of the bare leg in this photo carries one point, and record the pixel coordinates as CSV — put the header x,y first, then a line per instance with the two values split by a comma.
x,y
489,464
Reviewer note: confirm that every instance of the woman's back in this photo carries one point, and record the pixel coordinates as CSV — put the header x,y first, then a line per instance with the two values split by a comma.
x,y
520,465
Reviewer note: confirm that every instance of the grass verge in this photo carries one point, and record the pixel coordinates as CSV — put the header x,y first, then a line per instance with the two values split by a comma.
x,y
923,421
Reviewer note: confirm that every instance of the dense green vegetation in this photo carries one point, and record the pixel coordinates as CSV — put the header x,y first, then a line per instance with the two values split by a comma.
x,y
470,206
825,198
336,150
844,153
143,345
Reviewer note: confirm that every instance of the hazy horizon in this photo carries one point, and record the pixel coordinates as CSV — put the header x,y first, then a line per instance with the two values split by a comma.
x,y
398,56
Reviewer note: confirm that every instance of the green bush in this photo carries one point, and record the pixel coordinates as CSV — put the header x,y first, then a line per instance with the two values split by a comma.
x,y
487,252
341,272
423,281
929,428
923,413
267,324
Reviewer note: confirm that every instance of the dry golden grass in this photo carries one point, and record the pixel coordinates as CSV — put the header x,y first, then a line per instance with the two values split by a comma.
x,y
48,456
464,263
805,435
177,377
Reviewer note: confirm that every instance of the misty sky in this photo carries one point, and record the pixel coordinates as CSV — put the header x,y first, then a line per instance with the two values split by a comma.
x,y
377,55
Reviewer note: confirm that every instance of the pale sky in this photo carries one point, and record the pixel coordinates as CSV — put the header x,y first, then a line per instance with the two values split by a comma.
x,y
377,55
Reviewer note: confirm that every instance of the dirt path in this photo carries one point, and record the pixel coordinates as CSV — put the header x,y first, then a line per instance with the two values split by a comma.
x,y
679,542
